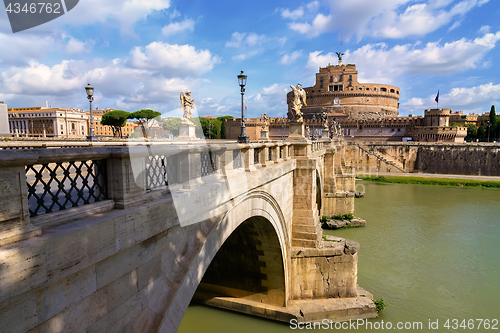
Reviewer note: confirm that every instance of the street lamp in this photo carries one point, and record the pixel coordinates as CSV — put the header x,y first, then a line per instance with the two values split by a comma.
x,y
209,129
314,120
90,95
242,81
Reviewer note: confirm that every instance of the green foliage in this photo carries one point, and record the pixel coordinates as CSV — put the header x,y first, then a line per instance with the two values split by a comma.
x,y
455,125
143,116
116,119
325,219
380,304
172,125
471,131
348,216
211,127
223,127
433,181
481,132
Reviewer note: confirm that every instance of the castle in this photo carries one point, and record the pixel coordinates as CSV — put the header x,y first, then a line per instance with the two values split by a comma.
x,y
338,92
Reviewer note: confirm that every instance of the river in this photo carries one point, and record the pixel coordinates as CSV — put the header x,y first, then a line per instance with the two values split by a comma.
x,y
431,252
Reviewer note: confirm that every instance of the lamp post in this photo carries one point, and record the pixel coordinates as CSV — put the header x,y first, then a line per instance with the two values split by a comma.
x,y
314,120
90,95
209,129
242,81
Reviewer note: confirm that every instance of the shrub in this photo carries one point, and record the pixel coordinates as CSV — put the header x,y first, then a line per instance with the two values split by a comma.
x,y
380,304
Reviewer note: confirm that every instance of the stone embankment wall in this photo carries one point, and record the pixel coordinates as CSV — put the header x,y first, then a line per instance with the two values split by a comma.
x,y
439,158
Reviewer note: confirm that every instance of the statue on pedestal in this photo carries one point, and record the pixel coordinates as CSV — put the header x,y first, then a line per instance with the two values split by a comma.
x,y
187,106
308,132
324,120
299,100
334,127
265,125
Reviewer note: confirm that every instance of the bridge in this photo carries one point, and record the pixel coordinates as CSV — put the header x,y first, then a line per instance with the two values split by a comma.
x,y
121,236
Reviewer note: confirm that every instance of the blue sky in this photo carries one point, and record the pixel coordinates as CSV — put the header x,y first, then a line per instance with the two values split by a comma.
x,y
142,54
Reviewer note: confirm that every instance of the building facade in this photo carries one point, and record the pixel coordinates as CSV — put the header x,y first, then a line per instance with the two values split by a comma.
x,y
338,92
48,122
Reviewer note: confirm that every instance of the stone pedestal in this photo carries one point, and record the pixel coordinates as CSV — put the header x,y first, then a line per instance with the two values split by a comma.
x,y
325,134
264,136
297,131
4,120
187,131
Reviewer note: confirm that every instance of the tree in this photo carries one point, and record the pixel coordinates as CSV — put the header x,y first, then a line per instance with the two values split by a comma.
x,y
494,123
143,116
481,132
471,131
172,125
223,126
211,127
116,119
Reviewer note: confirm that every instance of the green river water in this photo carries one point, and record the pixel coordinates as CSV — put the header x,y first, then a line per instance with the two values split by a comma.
x,y
431,252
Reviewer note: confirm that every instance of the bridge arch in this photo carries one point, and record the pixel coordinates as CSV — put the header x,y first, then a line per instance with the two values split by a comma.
x,y
257,219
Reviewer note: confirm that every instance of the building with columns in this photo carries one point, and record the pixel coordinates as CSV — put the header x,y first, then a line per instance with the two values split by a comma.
x,y
48,122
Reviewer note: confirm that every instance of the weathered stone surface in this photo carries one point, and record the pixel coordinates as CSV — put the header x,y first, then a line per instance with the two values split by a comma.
x,y
20,316
78,316
60,295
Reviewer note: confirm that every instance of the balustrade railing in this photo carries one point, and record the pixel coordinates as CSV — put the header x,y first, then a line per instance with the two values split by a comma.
x,y
59,179
57,186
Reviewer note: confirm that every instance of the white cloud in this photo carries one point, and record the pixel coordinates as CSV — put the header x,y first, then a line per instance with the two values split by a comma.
x,y
178,27
484,29
174,60
75,47
288,59
378,63
125,12
249,39
294,14
386,18
20,48
236,39
474,99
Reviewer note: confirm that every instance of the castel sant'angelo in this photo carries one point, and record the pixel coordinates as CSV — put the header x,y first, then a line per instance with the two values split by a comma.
x,y
365,112
338,92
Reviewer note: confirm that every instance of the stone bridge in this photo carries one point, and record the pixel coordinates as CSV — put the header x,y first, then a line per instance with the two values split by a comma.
x,y
120,237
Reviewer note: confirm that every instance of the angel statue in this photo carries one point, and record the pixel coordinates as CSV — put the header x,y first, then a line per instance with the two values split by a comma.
x,y
187,105
265,126
324,119
308,132
339,54
299,100
334,127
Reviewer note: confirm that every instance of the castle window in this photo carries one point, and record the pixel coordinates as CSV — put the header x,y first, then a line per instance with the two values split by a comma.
x,y
392,90
374,88
350,77
335,87
367,88
331,78
383,89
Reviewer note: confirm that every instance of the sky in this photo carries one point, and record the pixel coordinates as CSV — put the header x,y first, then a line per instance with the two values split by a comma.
x,y
142,54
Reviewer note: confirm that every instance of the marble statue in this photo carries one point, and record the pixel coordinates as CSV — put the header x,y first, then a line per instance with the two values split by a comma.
x,y
308,132
324,119
299,100
265,125
187,106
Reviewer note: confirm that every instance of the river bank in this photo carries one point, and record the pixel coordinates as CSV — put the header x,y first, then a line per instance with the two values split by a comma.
x,y
429,180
